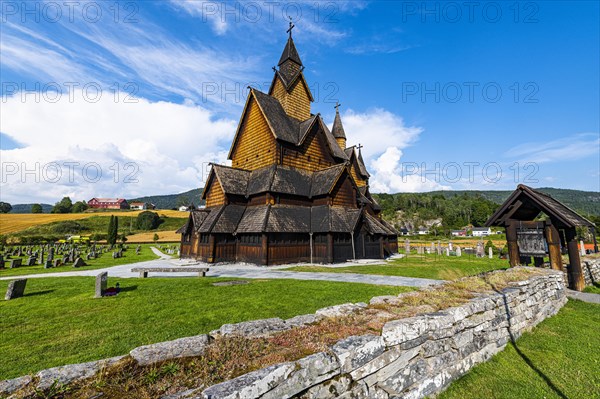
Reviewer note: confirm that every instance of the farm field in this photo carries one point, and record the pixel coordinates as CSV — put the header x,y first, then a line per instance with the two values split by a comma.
x,y
15,222
421,266
59,322
559,359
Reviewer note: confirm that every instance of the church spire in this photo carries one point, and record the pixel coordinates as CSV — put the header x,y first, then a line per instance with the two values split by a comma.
x,y
289,52
338,129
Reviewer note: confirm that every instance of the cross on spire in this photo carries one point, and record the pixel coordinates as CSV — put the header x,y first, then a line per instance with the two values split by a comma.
x,y
337,105
291,27
359,146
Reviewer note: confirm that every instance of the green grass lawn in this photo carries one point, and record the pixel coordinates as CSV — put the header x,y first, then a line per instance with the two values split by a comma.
x,y
558,359
423,266
59,322
105,260
593,289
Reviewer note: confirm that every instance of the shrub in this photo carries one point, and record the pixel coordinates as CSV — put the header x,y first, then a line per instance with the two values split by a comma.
x,y
68,227
148,221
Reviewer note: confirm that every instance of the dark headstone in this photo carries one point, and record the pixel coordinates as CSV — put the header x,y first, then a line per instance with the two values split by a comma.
x,y
1,262
14,263
101,284
56,263
79,263
16,288
31,261
47,264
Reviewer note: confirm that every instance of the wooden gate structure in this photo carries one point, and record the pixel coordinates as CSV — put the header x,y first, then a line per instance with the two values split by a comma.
x,y
527,237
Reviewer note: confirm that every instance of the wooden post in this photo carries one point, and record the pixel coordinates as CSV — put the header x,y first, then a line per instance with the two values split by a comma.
x,y
265,249
576,280
513,247
329,248
210,258
595,242
553,240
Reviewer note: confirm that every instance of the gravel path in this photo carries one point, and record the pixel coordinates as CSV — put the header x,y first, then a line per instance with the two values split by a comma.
x,y
243,271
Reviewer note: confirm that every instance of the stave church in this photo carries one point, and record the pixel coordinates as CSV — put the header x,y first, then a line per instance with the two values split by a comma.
x,y
295,192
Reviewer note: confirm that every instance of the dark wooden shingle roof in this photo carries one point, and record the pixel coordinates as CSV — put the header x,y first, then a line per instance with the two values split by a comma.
x,y
525,203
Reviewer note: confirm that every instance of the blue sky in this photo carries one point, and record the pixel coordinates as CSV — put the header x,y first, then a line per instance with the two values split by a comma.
x,y
434,91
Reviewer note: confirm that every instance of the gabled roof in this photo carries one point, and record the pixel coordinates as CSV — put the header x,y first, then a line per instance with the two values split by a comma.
x,y
324,180
290,53
232,181
229,219
210,219
254,219
284,127
338,129
360,163
290,81
526,203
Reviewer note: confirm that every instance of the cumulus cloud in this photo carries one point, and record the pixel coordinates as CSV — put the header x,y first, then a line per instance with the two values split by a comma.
x,y
383,156
140,147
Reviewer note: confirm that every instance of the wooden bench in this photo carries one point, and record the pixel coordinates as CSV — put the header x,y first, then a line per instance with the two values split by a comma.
x,y
145,270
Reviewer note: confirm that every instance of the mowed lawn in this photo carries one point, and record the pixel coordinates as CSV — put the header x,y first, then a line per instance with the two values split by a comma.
x,y
105,260
422,266
560,358
59,322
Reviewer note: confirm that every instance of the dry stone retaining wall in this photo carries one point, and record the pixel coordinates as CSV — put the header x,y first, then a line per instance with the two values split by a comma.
x,y
413,358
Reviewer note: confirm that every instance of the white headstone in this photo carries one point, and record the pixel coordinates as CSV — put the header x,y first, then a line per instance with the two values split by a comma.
x,y
447,251
490,253
450,245
407,246
582,245
458,251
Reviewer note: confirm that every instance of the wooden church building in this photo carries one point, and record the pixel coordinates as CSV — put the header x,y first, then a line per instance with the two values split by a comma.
x,y
295,192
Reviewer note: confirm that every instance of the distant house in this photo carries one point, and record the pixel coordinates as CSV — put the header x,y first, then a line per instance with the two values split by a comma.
x,y
404,231
459,233
108,203
481,231
141,205
423,231
184,208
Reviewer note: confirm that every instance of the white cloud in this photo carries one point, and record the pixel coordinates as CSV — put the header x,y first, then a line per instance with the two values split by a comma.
x,y
389,176
569,148
156,143
383,154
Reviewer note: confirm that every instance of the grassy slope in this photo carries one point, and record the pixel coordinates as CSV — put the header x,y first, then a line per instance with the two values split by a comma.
x,y
426,266
593,289
562,351
105,260
58,321
13,222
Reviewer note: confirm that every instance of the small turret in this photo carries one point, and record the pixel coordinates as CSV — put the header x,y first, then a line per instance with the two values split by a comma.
x,y
338,129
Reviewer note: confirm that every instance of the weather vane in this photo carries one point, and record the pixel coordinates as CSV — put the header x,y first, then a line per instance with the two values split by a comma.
x,y
291,26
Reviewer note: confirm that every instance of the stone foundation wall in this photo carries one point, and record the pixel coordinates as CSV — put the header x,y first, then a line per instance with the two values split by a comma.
x,y
591,270
413,358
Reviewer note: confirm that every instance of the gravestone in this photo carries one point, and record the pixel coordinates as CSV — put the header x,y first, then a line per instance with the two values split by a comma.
x,y
458,251
582,245
447,251
47,264
101,284
56,263
439,249
1,262
79,263
51,254
88,257
450,247
14,263
406,246
31,261
16,288
490,253
480,250
41,261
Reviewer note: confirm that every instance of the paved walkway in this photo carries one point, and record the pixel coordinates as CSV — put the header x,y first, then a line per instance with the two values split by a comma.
x,y
584,296
238,270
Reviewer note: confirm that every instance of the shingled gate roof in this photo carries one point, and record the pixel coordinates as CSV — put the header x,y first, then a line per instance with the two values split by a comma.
x,y
526,203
